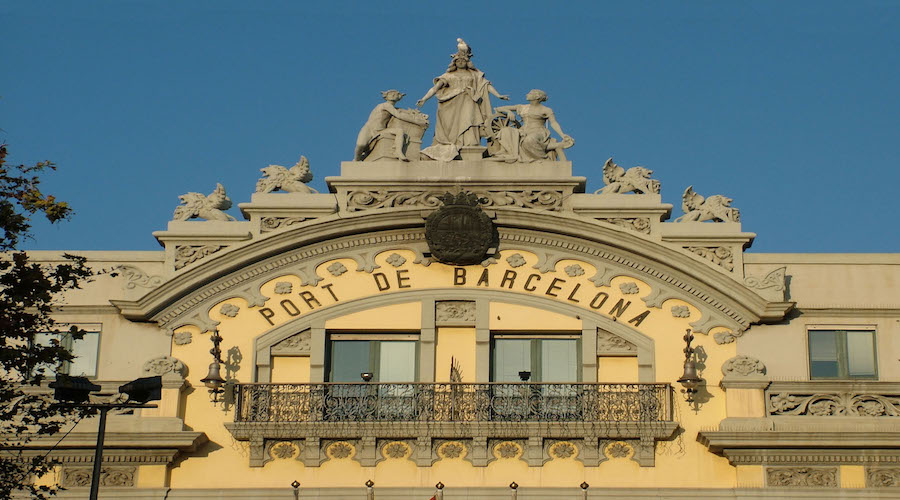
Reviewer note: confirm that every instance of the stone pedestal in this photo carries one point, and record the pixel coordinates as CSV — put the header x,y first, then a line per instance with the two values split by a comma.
x,y
275,211
187,242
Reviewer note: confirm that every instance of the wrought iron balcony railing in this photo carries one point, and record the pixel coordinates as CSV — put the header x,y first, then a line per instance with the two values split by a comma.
x,y
436,402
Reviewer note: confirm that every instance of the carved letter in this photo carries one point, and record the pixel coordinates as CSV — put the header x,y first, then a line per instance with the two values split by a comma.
x,y
459,276
381,281
402,278
509,276
528,282
572,295
483,279
292,310
554,287
594,304
619,308
328,287
268,314
637,320
309,298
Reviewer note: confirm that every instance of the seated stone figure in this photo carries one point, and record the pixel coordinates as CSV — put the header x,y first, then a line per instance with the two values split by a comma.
x,y
386,122
532,140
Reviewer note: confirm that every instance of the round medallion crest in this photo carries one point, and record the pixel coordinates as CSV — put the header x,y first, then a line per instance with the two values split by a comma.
x,y
460,233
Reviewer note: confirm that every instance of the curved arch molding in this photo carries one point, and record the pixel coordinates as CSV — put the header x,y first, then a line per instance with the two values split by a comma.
x,y
606,251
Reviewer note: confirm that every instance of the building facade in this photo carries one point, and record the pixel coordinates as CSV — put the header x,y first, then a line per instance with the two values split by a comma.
x,y
466,314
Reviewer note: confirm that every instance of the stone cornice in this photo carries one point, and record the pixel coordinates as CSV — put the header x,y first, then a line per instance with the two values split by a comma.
x,y
141,447
235,266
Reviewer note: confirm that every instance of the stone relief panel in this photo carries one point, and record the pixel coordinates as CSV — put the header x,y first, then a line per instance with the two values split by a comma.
x,y
507,449
720,256
80,477
283,450
164,365
639,224
297,344
188,254
452,449
773,285
135,277
396,450
370,200
883,477
833,404
454,312
742,366
182,338
609,343
726,337
269,224
563,450
802,477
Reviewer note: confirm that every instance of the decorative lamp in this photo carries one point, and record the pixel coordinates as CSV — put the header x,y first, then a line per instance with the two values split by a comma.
x,y
366,376
524,375
213,379
689,379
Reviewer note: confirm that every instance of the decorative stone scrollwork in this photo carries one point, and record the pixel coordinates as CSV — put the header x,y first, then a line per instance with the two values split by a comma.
x,y
164,365
336,269
563,450
618,449
396,450
620,181
268,224
833,404
188,254
183,338
229,310
340,449
726,337
293,345
639,224
292,180
629,288
720,256
80,477
882,477
508,449
716,208
197,205
743,366
452,449
775,279
609,343
515,260
681,312
454,311
370,200
283,287
574,270
802,477
396,260
135,277
284,450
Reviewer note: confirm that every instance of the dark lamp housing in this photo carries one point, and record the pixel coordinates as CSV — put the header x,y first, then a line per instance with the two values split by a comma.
x,y
143,389
72,389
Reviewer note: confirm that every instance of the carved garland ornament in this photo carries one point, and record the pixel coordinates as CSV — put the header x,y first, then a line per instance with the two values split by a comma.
x,y
188,254
454,311
834,404
164,365
295,344
269,224
720,256
802,477
639,224
80,477
882,477
137,278
610,343
743,366
370,200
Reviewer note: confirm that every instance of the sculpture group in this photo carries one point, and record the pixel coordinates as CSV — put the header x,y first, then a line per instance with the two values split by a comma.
x,y
465,120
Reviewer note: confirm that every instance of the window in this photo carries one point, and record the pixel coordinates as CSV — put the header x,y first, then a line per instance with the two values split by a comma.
x,y
389,358
85,350
842,354
549,359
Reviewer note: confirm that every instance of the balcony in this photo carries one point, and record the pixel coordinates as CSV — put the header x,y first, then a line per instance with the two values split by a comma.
x,y
368,412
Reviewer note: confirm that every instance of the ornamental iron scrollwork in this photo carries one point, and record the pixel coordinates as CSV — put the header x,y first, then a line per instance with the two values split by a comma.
x,y
426,402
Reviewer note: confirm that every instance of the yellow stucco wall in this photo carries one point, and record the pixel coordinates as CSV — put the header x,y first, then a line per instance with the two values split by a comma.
x,y
682,462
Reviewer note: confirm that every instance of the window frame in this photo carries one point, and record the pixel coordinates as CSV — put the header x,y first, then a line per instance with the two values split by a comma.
x,y
68,343
536,363
374,352
843,353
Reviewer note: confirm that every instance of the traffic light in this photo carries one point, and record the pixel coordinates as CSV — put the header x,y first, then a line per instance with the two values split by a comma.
x,y
143,389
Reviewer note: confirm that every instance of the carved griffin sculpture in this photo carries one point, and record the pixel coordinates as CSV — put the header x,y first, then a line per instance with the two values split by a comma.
x,y
292,180
197,205
620,181
716,208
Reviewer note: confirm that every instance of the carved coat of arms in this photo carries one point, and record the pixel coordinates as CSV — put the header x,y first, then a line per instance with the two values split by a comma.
x,y
460,233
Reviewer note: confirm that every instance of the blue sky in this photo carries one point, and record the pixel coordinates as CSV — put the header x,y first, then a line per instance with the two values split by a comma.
x,y
790,108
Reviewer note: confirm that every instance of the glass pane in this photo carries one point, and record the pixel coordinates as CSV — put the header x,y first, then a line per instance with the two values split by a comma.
x,y
349,358
559,361
85,352
398,362
45,339
823,354
510,357
860,354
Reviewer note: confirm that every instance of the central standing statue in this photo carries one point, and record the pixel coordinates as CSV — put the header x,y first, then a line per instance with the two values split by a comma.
x,y
464,106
